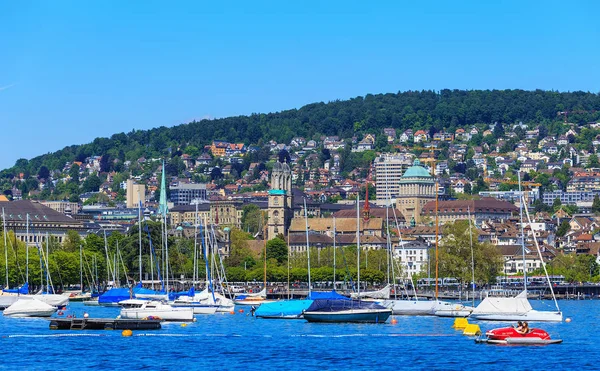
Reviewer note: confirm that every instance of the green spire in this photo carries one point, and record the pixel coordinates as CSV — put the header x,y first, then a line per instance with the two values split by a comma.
x,y
163,209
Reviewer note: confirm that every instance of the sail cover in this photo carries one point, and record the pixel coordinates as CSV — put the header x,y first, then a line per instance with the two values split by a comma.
x,y
23,290
384,293
514,305
329,295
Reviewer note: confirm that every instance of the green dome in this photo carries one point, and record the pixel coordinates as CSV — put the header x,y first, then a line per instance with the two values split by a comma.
x,y
416,171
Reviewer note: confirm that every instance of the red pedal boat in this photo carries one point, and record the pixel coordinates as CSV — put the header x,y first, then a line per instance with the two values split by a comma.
x,y
509,335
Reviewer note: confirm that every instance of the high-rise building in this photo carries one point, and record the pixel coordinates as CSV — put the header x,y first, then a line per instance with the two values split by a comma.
x,y
135,194
187,194
388,173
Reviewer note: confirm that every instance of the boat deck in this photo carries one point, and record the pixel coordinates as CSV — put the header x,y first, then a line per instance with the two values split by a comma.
x,y
103,324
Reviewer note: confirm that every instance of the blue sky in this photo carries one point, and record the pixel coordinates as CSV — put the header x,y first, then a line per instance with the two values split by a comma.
x,y
71,71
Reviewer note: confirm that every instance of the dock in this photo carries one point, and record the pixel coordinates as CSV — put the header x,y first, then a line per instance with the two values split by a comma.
x,y
103,324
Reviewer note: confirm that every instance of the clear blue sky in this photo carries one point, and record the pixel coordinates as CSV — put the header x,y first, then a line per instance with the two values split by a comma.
x,y
74,70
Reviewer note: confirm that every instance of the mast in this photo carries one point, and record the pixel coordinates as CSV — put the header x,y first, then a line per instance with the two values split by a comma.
x,y
163,209
358,244
334,250
140,233
307,246
195,245
522,200
5,246
472,256
81,268
27,250
437,226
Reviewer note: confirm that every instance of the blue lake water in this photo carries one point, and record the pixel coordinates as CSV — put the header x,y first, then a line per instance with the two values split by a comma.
x,y
243,342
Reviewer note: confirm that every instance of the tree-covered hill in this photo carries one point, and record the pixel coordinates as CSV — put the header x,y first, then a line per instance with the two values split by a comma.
x,y
447,109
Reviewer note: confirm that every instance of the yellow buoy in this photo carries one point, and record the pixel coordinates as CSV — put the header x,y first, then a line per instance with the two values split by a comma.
x,y
127,333
184,325
460,323
472,330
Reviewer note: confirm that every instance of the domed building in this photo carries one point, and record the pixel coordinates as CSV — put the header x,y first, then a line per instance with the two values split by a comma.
x,y
417,188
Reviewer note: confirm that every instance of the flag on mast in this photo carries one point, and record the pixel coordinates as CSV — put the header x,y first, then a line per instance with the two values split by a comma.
x,y
163,209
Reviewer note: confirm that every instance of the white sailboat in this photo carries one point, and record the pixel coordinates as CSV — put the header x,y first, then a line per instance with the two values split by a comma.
x,y
518,308
140,309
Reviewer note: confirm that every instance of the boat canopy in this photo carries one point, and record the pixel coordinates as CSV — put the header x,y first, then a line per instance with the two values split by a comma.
x,y
23,290
116,295
384,293
329,295
341,305
517,304
285,308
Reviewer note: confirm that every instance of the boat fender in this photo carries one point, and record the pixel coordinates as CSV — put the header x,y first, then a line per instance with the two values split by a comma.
x,y
53,325
108,326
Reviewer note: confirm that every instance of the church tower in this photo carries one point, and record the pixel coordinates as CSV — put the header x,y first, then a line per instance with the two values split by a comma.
x,y
280,200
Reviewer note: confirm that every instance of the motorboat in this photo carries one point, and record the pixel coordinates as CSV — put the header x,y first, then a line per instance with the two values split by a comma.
x,y
203,300
29,307
344,311
406,307
196,307
140,309
510,335
255,299
447,309
515,308
7,299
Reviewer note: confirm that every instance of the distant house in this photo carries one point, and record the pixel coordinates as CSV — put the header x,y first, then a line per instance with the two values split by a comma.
x,y
421,136
406,136
562,140
218,148
461,134
390,133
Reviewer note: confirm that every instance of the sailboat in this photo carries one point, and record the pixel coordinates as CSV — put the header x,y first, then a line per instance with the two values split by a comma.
x,y
343,311
208,301
518,308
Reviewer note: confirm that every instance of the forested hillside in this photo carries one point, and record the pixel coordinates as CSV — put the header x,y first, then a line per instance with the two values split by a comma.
x,y
447,109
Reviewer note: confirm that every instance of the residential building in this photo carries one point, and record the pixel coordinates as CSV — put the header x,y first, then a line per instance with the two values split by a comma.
x,y
388,172
188,193
136,193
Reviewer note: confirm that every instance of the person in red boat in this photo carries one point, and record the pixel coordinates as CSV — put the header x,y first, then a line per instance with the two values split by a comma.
x,y
524,330
519,326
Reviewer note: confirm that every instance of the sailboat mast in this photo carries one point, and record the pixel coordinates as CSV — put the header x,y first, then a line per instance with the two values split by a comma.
x,y
5,245
522,200
307,245
27,250
472,256
80,267
140,233
334,251
195,245
358,243
437,227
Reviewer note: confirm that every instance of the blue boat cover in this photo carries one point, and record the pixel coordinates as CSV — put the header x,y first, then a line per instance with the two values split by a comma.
x,y
284,308
330,295
341,305
23,290
116,295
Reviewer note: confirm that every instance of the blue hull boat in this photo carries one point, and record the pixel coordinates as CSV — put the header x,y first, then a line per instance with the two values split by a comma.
x,y
346,311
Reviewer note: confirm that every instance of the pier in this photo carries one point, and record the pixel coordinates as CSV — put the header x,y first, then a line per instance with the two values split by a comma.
x,y
103,324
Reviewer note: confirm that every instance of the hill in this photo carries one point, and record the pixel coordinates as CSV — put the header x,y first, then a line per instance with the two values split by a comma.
x,y
430,110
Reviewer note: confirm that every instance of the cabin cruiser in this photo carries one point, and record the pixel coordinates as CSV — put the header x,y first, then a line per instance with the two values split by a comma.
x,y
140,309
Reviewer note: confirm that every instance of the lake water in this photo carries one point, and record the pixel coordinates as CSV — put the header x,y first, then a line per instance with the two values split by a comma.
x,y
227,342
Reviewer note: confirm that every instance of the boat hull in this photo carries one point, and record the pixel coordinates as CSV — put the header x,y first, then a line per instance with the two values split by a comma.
x,y
59,301
177,314
350,316
410,307
6,300
532,316
197,308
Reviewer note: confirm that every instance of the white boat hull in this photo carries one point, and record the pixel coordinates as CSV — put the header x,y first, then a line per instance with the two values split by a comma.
x,y
447,309
410,307
532,316
175,314
197,308
6,300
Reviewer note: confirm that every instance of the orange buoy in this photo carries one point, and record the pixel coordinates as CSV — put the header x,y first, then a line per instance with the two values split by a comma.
x,y
232,312
394,321
241,311
127,333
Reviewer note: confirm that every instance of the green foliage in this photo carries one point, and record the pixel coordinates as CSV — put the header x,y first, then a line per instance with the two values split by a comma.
x,y
277,249
563,228
455,254
575,268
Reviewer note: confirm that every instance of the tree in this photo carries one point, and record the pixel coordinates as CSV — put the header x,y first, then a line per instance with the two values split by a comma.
x,y
556,204
91,184
216,173
252,219
596,204
44,173
74,173
593,161
455,254
277,249
563,228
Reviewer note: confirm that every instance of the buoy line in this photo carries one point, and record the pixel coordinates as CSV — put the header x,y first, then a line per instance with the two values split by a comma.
x,y
55,335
